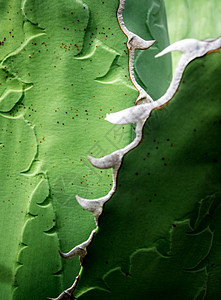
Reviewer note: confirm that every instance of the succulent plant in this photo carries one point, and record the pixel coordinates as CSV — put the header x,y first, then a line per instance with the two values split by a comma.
x,y
64,66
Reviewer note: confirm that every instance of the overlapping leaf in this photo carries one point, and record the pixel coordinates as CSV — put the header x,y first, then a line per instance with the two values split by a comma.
x,y
63,66
169,181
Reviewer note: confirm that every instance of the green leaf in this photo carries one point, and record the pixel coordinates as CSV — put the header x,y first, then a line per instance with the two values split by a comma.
x,y
17,150
189,19
148,20
68,63
161,185
154,275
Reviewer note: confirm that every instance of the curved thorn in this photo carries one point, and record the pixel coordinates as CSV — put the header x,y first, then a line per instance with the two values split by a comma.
x,y
192,47
136,42
80,250
131,115
95,205
108,161
143,96
68,292
73,253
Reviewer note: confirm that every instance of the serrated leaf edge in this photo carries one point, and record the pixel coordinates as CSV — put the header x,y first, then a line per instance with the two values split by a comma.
x,y
137,114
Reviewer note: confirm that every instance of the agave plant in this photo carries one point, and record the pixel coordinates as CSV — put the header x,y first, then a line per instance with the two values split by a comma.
x,y
146,218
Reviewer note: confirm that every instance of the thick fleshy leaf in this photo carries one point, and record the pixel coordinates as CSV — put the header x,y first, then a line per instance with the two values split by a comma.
x,y
148,20
17,150
191,19
145,246
64,65
74,61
